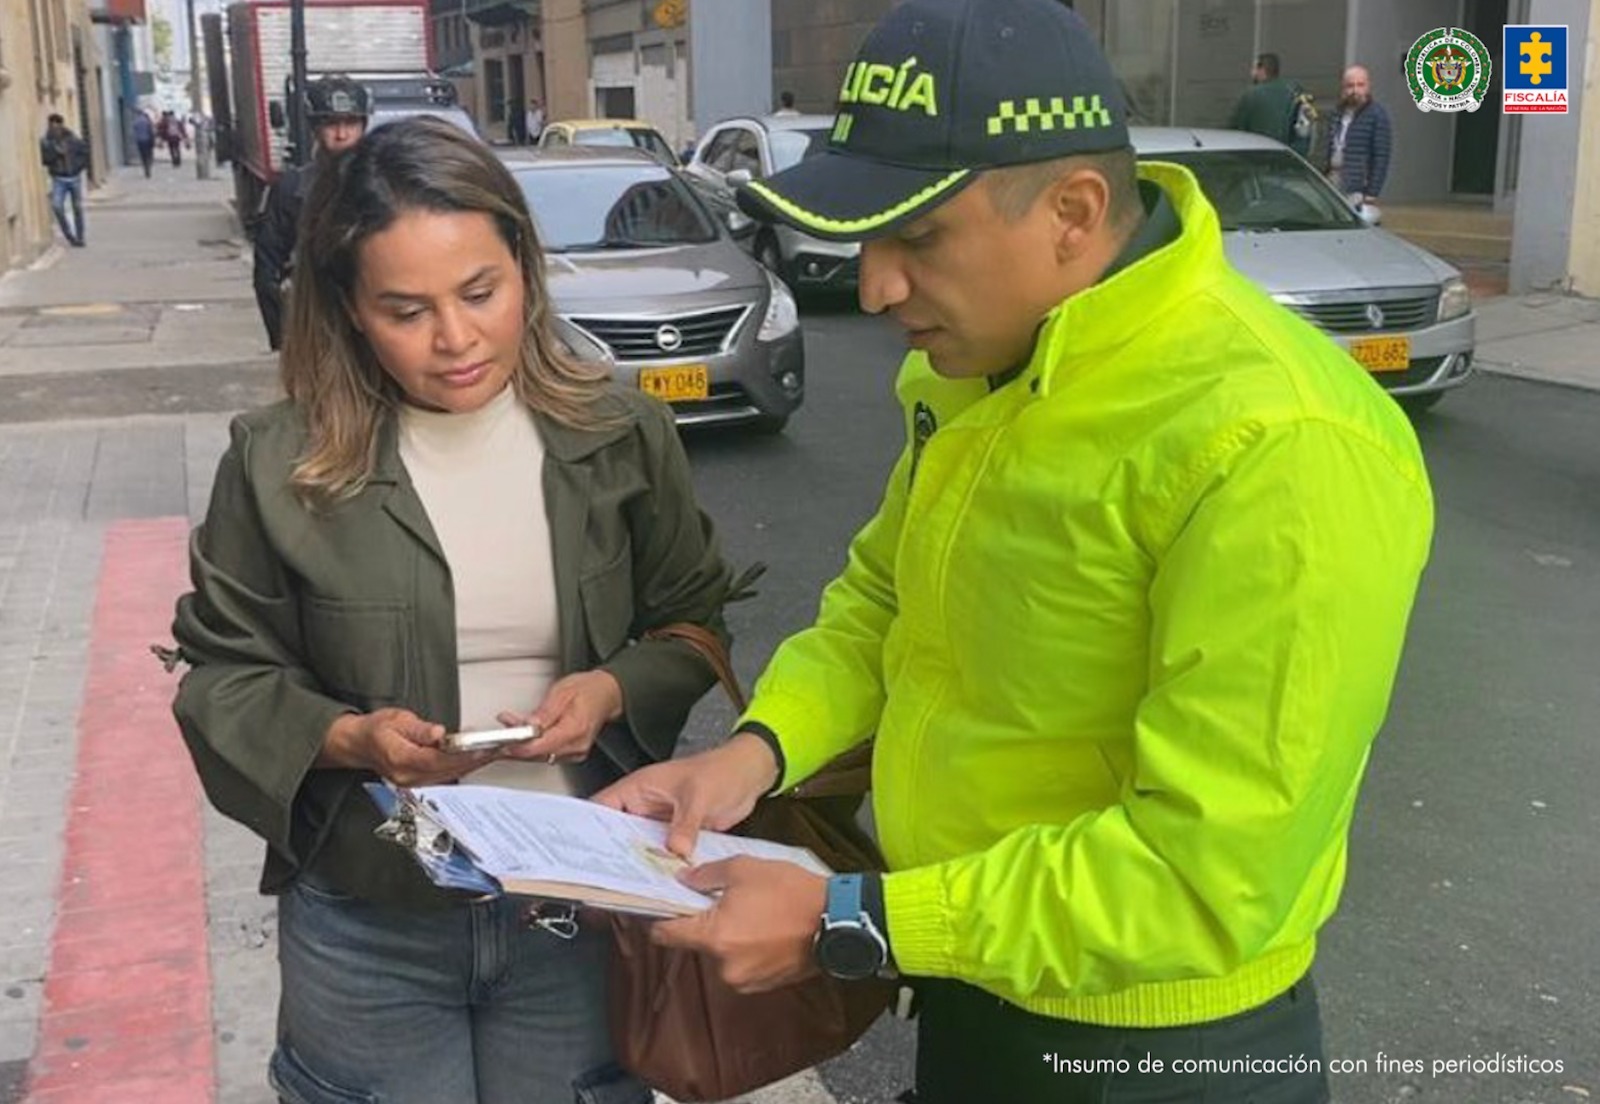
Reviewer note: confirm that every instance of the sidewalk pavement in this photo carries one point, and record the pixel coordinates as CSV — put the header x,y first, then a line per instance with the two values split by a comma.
x,y
1544,337
119,364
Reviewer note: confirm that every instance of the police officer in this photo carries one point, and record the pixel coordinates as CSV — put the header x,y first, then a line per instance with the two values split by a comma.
x,y
337,108
1118,629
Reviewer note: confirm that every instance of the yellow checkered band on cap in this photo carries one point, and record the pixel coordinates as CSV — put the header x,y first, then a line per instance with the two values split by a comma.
x,y
1086,113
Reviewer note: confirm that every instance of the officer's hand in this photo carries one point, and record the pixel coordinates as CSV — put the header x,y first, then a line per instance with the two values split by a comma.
x,y
715,789
761,929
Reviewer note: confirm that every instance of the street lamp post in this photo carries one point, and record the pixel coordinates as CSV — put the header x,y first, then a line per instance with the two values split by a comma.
x,y
297,102
202,138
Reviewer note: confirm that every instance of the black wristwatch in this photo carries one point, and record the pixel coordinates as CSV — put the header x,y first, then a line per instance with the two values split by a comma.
x,y
849,945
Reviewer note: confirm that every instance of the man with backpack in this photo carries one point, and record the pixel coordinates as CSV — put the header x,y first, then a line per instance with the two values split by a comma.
x,y
1276,107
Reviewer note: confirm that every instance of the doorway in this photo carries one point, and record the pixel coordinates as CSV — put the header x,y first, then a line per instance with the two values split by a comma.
x,y
517,107
1472,168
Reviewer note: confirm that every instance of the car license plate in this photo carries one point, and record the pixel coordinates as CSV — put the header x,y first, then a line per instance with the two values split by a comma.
x,y
679,383
1382,354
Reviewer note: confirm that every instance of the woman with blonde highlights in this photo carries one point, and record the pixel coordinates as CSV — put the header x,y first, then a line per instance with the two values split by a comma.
x,y
450,523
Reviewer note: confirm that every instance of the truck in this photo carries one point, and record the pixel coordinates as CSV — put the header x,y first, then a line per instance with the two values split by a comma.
x,y
384,43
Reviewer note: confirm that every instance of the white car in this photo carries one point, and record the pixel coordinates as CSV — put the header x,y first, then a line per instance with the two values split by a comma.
x,y
1403,313
737,151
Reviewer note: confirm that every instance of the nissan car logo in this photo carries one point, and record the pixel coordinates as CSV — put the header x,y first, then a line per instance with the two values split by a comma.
x,y
668,338
1374,316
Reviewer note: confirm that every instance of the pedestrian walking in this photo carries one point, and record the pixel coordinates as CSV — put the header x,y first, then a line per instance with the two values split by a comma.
x,y
65,157
449,523
1276,107
144,140
534,122
171,131
337,109
786,103
1356,149
1124,626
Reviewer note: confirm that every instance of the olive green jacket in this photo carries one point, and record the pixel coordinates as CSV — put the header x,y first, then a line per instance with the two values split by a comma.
x,y
298,616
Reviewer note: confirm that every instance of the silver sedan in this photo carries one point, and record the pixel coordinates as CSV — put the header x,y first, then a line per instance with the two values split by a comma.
x,y
646,279
1402,313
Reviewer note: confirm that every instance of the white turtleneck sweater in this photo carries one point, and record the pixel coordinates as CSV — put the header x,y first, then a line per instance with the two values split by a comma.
x,y
479,476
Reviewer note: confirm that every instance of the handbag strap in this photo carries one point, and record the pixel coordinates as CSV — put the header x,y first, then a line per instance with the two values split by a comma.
x,y
847,775
710,648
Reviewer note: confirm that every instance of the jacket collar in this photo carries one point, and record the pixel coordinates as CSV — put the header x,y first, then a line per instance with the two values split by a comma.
x,y
1091,323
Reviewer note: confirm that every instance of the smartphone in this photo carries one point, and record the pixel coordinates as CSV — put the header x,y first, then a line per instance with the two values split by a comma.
x,y
489,738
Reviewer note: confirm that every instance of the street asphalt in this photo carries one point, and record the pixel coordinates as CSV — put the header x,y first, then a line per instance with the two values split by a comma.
x,y
1465,929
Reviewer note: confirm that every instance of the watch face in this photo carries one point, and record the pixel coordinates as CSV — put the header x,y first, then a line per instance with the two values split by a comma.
x,y
849,953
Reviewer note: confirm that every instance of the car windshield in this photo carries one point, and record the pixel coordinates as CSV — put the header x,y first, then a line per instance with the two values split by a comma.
x,y
790,147
634,137
581,208
1265,190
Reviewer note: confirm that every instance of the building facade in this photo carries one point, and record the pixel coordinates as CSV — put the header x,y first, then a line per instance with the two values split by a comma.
x,y
580,59
1185,63
507,62
49,64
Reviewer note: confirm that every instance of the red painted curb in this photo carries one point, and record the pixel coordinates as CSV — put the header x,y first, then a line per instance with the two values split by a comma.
x,y
127,999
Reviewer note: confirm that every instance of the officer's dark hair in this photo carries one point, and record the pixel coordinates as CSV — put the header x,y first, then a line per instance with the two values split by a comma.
x,y
785,99
1015,188
329,369
55,118
1269,64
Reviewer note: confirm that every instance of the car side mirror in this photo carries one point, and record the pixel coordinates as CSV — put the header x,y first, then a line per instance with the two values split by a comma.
x,y
739,224
737,178
275,114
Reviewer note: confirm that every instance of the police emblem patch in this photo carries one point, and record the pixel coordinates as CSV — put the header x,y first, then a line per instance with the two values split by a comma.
x,y
923,425
1447,69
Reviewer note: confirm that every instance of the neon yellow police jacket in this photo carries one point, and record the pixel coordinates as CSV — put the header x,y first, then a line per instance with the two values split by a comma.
x,y
1125,629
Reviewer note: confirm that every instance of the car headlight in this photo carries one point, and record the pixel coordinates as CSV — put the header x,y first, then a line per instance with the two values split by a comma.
x,y
783,315
1454,299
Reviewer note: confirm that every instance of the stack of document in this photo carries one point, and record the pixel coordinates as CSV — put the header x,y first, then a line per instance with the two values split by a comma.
x,y
491,839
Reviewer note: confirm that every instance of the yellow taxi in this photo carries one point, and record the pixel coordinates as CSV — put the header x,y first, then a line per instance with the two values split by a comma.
x,y
614,133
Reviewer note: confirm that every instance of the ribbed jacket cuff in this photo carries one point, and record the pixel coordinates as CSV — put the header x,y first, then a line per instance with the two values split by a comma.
x,y
918,921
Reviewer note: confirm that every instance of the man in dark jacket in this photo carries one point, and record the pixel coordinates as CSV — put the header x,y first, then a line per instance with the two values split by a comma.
x,y
1356,150
1269,106
65,156
337,108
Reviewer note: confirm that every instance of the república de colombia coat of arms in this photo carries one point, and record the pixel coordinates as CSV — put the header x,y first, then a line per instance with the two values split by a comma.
x,y
1448,69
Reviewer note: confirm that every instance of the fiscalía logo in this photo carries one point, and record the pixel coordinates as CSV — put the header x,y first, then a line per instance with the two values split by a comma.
x,y
1447,69
1535,70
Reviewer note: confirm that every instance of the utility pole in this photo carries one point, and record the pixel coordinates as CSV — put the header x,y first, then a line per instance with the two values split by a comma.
x,y
202,137
297,101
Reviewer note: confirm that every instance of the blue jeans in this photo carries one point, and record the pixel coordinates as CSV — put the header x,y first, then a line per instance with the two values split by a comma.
x,y
463,1005
63,188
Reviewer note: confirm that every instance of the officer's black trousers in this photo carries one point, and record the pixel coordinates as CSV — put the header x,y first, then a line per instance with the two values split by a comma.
x,y
973,1047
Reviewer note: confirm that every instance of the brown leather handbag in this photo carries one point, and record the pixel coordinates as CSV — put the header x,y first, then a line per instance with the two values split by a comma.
x,y
674,1024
